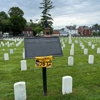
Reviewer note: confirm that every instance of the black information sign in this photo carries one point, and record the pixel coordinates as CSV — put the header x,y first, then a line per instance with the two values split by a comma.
x,y
42,46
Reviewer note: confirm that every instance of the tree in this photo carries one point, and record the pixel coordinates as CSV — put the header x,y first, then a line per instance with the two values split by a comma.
x,y
36,27
96,26
15,11
62,29
95,33
18,22
98,33
4,15
74,27
46,16
5,23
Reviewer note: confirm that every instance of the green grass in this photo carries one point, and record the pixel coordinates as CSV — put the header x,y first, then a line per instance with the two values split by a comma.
x,y
86,77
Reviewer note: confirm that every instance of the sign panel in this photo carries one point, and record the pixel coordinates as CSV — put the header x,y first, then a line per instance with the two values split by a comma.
x,y
42,46
45,61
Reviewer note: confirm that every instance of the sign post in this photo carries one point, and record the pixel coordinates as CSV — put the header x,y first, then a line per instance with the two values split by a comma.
x,y
44,62
44,81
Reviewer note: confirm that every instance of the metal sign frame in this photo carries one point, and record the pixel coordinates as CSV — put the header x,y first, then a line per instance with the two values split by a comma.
x,y
42,46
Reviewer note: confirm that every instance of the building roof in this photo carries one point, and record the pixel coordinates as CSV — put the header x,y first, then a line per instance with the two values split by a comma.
x,y
56,31
84,27
62,32
95,28
28,29
71,27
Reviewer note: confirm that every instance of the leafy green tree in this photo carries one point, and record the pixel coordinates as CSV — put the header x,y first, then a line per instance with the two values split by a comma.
x,y
62,29
36,27
46,16
18,22
15,11
4,15
96,25
95,33
37,30
98,33
5,23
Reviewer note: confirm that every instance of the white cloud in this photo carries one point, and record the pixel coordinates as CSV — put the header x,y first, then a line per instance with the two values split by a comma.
x,y
77,12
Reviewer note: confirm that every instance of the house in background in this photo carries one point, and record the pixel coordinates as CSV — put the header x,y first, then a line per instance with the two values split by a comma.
x,y
63,33
28,32
95,29
56,33
71,30
84,30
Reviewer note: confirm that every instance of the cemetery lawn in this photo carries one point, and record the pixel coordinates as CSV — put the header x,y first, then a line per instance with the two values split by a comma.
x,y
86,77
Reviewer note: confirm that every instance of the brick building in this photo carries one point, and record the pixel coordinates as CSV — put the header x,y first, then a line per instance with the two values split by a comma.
x,y
28,31
84,30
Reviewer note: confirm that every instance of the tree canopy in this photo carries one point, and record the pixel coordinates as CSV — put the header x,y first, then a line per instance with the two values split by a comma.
x,y
15,11
96,25
36,27
18,22
5,23
3,15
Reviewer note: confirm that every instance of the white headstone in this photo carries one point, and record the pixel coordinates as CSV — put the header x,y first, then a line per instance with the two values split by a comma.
x,y
85,51
62,47
98,50
70,39
89,43
72,46
6,56
20,91
93,46
2,44
82,46
11,51
70,61
23,55
72,52
66,85
91,59
23,65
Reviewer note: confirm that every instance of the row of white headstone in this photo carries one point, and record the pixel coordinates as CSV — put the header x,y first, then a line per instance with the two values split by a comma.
x,y
20,88
11,42
6,55
85,50
22,62
71,58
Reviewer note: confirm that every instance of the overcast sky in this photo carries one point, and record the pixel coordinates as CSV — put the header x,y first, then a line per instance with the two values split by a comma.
x,y
66,12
